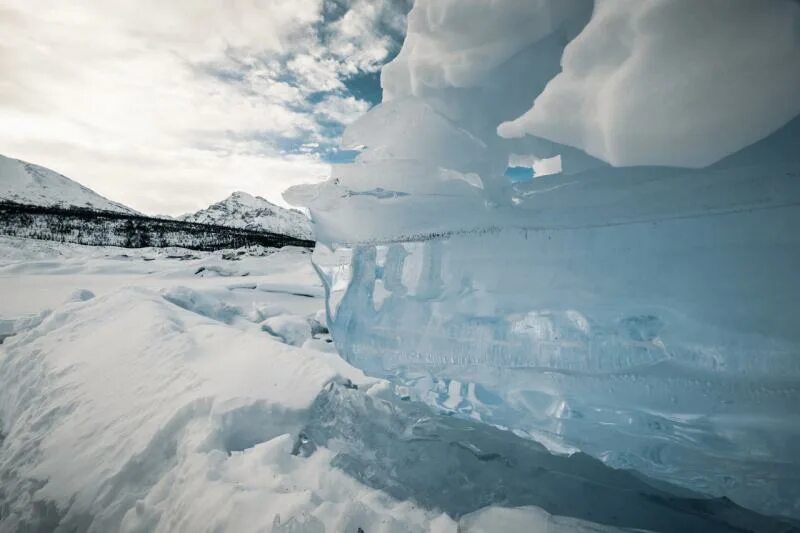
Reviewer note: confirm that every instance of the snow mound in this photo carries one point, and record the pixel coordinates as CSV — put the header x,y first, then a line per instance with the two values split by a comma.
x,y
202,304
241,210
80,295
526,520
130,413
291,329
26,183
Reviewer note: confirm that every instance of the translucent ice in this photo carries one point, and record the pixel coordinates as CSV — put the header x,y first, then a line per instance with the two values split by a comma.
x,y
644,315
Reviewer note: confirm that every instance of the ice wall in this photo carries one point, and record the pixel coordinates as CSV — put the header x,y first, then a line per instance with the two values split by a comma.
x,y
645,315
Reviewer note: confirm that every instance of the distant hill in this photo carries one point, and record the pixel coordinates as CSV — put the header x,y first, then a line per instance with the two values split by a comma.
x,y
112,228
38,203
25,183
242,210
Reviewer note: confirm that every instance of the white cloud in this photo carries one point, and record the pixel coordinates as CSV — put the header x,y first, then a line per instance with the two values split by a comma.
x,y
355,38
342,109
317,74
169,105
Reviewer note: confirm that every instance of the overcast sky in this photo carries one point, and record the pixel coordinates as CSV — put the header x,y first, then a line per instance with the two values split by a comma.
x,y
168,106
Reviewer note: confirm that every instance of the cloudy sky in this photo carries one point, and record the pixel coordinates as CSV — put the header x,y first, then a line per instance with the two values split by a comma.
x,y
168,106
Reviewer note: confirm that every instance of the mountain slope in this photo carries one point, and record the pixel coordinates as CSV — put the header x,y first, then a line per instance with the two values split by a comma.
x,y
26,183
242,210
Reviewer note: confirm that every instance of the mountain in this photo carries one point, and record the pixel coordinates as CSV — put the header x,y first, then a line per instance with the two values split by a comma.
x,y
242,210
26,183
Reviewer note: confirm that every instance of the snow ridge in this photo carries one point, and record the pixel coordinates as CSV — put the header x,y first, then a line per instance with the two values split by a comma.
x,y
26,183
242,210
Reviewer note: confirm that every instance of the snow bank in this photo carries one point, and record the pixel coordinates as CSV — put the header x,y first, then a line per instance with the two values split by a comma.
x,y
525,520
128,412
291,329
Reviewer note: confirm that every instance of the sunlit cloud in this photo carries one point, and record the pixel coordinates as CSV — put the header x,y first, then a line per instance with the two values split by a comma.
x,y
168,106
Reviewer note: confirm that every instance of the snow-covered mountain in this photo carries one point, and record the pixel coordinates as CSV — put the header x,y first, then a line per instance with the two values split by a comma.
x,y
26,183
242,210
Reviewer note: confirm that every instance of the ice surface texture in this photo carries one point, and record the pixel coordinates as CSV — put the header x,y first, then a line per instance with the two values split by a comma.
x,y
643,85
460,467
644,315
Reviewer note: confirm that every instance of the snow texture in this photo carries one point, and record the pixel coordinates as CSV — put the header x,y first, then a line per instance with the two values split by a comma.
x,y
157,405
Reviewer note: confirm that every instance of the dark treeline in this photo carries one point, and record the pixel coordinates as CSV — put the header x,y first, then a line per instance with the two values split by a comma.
x,y
107,228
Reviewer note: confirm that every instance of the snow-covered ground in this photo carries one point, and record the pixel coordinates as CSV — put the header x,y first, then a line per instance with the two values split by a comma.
x,y
171,390
149,397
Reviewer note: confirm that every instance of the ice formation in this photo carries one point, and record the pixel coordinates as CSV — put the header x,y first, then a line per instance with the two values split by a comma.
x,y
644,315
641,86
